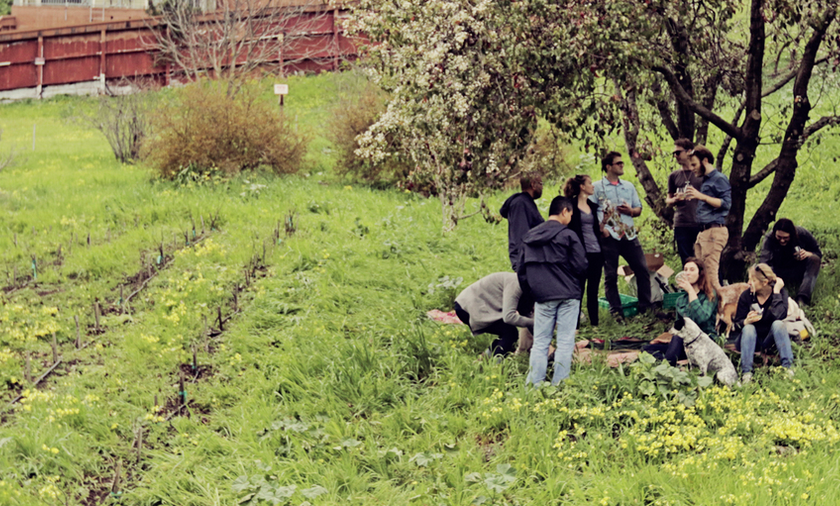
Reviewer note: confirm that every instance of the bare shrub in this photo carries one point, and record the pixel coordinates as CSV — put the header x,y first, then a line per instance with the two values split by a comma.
x,y
203,128
352,117
121,115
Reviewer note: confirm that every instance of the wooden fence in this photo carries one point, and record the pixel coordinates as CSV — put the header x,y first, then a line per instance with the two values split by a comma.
x,y
89,56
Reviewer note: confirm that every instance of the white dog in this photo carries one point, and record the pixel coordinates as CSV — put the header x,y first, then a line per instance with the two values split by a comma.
x,y
705,353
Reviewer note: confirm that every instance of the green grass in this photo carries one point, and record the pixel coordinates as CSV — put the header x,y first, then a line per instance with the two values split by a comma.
x,y
329,378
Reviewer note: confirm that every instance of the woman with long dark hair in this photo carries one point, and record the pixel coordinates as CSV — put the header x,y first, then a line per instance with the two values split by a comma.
x,y
589,230
697,301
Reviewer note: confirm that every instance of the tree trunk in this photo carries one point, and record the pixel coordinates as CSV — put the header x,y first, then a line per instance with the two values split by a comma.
x,y
792,143
734,258
653,194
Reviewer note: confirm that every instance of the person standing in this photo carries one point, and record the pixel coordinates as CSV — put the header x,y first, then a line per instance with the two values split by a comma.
x,y
685,223
714,199
794,255
522,214
495,305
618,203
590,232
553,262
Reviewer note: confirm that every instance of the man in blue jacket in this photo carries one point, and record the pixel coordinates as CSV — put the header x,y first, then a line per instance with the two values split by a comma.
x,y
553,263
522,214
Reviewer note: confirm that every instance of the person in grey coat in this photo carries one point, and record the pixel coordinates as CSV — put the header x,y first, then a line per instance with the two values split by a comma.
x,y
495,305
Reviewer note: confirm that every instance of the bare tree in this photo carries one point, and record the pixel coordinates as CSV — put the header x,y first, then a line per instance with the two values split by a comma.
x,y
242,36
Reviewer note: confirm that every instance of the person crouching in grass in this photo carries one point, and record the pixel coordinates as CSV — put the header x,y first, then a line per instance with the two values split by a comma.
x,y
552,265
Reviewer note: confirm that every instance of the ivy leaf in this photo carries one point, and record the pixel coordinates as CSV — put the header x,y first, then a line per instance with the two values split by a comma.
x,y
312,493
705,381
478,501
425,458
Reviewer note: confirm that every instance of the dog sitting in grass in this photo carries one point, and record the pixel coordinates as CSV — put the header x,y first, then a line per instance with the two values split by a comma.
x,y
704,353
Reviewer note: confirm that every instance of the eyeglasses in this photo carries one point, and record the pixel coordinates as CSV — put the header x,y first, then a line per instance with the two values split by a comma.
x,y
619,163
678,152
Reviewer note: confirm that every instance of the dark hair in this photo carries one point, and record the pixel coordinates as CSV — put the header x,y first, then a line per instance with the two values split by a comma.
x,y
573,185
786,225
527,179
558,204
702,152
684,143
608,159
704,283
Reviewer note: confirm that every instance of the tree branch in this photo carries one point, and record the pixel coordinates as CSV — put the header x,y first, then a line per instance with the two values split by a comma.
x,y
778,85
699,109
763,173
818,125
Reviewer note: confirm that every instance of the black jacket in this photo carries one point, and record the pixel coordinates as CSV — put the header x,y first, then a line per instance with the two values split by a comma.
x,y
522,214
781,257
575,224
775,308
552,262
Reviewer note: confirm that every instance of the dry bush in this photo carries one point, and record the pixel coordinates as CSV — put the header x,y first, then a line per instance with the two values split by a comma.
x,y
205,129
351,118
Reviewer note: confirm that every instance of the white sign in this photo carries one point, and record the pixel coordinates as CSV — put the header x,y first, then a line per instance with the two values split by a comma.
x,y
281,89
40,61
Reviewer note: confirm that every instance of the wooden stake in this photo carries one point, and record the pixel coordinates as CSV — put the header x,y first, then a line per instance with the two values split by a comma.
x,y
122,310
182,393
115,486
59,250
96,314
54,348
139,442
27,370
202,224
78,333
15,239
88,239
195,359
206,336
221,328
14,276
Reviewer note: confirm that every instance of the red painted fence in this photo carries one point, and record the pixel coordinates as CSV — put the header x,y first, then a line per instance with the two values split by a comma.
x,y
102,52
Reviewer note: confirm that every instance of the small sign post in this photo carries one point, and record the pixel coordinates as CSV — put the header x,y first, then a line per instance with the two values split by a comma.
x,y
281,90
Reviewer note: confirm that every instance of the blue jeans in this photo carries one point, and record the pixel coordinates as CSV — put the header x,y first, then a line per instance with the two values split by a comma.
x,y
778,334
562,315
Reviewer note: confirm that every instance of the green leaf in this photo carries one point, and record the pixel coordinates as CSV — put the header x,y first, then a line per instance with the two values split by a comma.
x,y
423,459
478,501
497,482
311,493
472,477
507,471
246,498
705,381
350,443
241,484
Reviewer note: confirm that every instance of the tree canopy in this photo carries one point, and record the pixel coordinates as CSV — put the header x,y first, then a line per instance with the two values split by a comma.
x,y
472,78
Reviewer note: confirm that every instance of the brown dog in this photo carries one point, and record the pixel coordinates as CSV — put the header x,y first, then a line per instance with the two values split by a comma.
x,y
728,303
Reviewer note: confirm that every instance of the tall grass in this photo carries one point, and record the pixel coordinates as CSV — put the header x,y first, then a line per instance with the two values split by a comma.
x,y
329,385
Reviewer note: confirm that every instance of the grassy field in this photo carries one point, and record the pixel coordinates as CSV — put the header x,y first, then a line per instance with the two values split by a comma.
x,y
263,340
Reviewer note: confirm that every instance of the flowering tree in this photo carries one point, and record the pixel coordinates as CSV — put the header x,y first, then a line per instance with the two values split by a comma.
x,y
469,80
460,108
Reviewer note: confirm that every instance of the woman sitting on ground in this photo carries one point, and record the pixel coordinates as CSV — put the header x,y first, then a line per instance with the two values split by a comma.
x,y
697,301
760,314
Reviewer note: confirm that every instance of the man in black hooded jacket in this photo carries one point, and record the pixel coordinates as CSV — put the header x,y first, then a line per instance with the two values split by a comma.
x,y
522,214
552,264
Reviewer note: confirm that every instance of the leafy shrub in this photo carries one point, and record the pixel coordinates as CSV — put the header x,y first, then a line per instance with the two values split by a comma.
x,y
205,128
351,118
546,155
